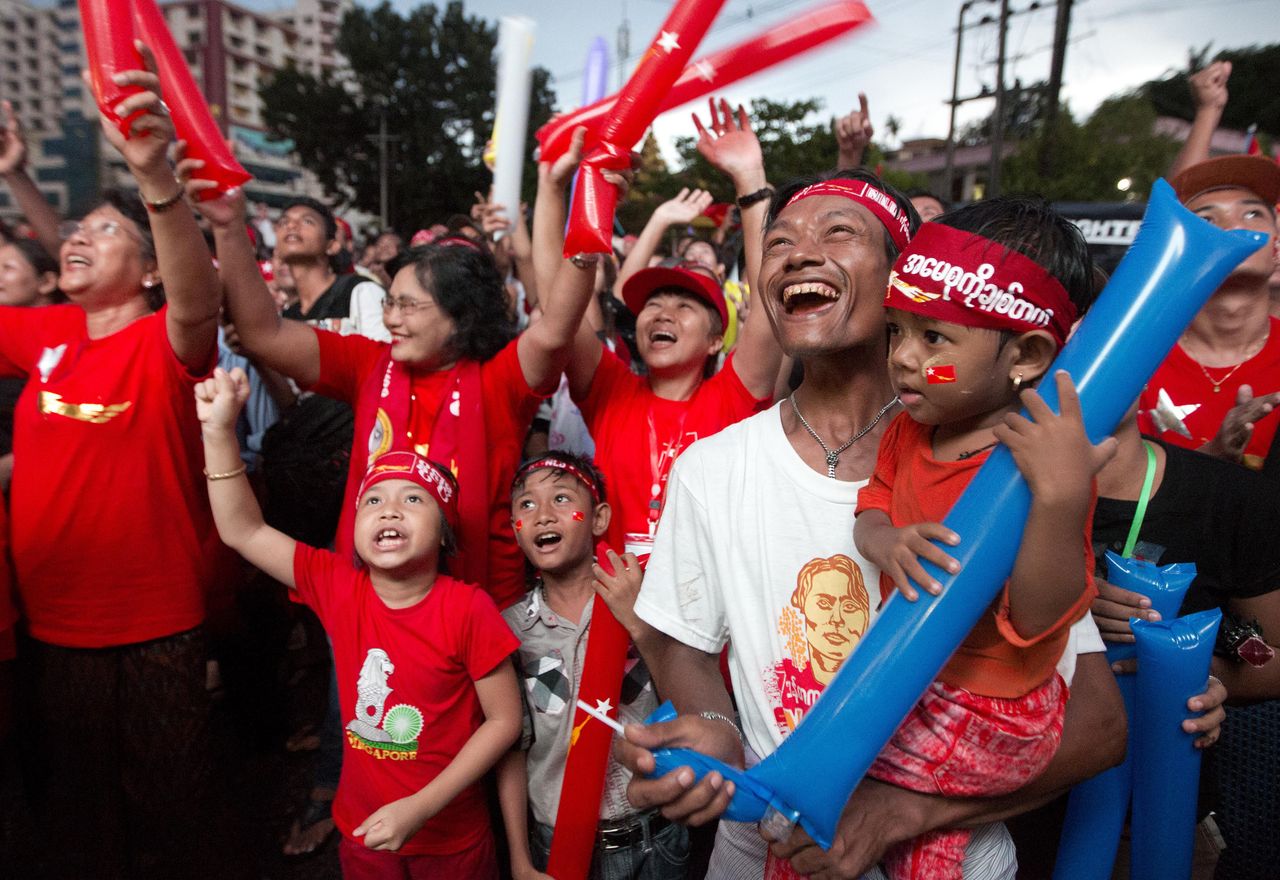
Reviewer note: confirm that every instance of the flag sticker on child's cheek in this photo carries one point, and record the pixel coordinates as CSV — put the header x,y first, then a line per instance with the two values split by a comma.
x,y
579,516
940,374
519,524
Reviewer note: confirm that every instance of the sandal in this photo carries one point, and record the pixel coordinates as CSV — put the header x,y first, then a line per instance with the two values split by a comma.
x,y
312,829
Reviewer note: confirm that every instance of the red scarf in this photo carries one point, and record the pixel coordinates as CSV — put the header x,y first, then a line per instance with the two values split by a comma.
x,y
457,442
574,839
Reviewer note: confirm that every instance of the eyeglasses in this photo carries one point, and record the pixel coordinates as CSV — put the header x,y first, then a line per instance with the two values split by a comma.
x,y
101,229
406,305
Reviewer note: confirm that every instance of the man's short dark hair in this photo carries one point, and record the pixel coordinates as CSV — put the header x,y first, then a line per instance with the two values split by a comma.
x,y
326,214
1032,228
787,190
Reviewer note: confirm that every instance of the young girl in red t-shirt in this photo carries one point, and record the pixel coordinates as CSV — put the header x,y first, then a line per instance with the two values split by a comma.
x,y
978,305
420,657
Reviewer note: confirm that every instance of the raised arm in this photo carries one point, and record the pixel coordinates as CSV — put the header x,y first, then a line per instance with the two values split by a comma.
x,y
186,266
288,347
733,148
687,205
235,509
853,135
1209,95
547,347
26,195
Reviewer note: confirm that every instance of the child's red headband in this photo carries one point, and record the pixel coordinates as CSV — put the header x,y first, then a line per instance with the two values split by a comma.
x,y
878,202
551,462
960,277
415,469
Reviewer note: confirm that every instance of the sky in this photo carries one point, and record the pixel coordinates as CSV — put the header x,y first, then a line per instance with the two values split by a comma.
x,y
905,61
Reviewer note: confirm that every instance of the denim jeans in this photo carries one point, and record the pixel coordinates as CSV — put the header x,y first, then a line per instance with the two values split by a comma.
x,y
666,857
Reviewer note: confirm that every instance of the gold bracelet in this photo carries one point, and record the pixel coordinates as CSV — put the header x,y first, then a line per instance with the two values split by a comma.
x,y
164,204
227,476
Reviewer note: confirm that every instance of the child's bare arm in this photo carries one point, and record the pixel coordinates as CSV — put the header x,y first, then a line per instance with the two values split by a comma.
x,y
513,798
388,827
1059,464
235,511
898,551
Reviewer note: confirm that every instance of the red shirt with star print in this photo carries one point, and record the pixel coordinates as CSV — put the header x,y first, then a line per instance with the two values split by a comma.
x,y
1186,383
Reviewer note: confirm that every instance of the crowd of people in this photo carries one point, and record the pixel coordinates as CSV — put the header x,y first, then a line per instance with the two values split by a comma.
x,y
453,451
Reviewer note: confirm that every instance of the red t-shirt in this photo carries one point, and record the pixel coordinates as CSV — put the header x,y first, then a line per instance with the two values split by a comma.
x,y
509,407
639,435
911,486
406,686
1186,384
112,537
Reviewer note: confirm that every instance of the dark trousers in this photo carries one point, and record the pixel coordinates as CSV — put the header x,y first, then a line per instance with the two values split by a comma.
x,y
120,759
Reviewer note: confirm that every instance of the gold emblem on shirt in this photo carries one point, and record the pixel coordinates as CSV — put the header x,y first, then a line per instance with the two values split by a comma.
x,y
93,413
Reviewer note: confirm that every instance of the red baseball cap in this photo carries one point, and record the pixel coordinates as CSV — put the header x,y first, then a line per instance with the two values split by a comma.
x,y
1258,174
688,277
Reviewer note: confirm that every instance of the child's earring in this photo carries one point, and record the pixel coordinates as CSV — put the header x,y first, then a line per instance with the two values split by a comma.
x,y
1017,383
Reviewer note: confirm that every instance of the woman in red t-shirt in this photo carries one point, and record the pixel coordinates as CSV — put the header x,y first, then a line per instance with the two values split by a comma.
x,y
111,544
452,383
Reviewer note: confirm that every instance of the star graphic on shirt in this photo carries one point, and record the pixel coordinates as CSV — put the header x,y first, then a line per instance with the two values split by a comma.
x,y
669,41
1168,416
604,707
705,70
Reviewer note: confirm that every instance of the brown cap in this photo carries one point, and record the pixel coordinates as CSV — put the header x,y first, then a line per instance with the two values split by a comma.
x,y
1258,174
694,279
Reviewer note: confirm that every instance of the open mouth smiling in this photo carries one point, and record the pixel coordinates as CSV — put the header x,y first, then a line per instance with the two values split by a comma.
x,y
806,295
546,540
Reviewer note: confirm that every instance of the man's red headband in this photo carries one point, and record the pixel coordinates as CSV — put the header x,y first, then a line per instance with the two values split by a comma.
x,y
963,278
415,469
878,202
551,462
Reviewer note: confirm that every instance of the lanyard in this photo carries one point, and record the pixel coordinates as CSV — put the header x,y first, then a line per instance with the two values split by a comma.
x,y
1140,514
660,461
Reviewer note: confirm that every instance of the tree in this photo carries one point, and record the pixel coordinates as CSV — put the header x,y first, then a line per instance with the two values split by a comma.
x,y
431,74
1116,142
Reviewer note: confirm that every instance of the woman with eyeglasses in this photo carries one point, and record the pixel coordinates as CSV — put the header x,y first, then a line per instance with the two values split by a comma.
x,y
454,384
112,541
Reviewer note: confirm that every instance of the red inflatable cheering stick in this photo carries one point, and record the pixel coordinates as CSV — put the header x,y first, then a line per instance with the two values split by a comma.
x,y
600,686
720,69
108,42
191,117
591,218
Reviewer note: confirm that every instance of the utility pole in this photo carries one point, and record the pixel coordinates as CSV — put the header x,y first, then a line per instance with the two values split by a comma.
x,y
382,139
1061,28
955,102
997,127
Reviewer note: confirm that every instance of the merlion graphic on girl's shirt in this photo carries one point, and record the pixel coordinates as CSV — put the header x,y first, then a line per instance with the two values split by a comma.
x,y
828,615
393,734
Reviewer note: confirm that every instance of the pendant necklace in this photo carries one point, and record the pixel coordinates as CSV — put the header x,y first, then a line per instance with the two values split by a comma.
x,y
833,455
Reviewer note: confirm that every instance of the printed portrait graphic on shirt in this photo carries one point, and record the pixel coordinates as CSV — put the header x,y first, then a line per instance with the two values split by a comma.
x,y
390,734
827,616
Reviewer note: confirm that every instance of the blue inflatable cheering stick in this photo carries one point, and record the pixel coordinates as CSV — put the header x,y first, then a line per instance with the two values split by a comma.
x,y
1176,263
1097,807
1173,662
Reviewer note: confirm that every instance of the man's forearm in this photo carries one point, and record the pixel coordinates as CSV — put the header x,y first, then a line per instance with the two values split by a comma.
x,y
689,678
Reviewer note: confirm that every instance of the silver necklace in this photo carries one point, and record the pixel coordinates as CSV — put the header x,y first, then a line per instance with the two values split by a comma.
x,y
833,455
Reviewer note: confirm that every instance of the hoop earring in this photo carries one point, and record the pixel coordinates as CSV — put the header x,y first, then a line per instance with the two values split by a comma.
x,y
1017,383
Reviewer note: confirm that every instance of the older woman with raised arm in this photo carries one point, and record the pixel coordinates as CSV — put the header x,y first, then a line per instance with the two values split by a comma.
x,y
455,382
112,542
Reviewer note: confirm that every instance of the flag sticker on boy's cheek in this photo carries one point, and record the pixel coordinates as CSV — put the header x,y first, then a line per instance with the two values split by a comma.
x,y
939,374
579,516
519,524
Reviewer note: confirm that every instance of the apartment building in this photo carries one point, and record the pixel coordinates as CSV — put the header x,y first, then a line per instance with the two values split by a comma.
x,y
230,49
